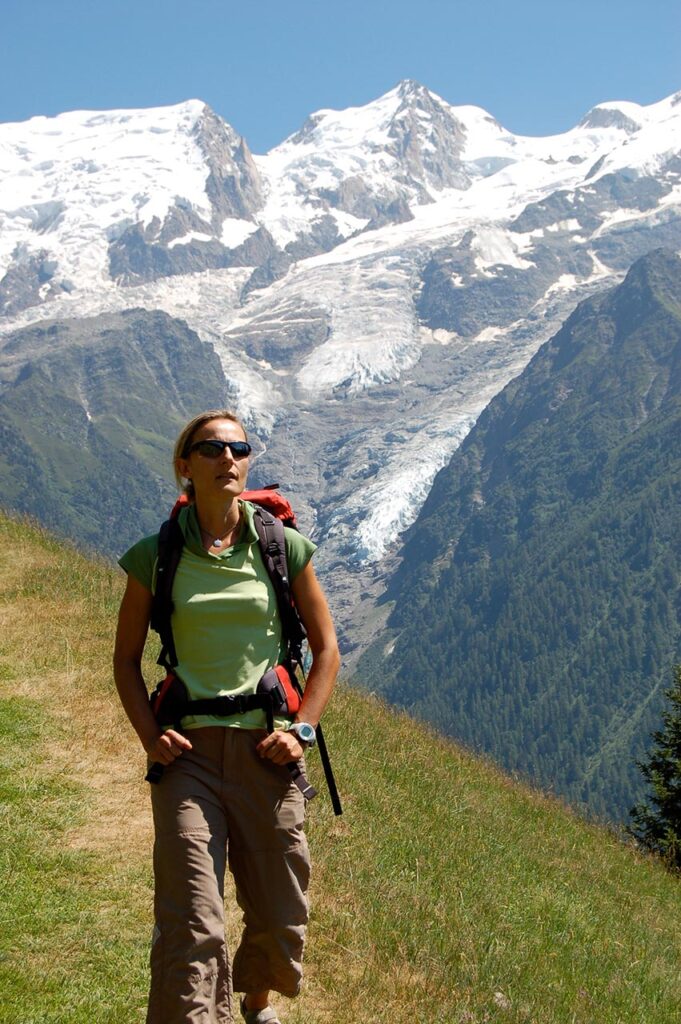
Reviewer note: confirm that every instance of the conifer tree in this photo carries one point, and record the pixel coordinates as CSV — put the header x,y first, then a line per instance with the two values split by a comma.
x,y
657,823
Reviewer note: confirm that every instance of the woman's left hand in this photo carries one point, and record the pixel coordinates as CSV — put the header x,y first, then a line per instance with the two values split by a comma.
x,y
281,747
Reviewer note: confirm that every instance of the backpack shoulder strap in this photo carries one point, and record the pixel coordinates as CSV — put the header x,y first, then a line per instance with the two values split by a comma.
x,y
272,541
170,544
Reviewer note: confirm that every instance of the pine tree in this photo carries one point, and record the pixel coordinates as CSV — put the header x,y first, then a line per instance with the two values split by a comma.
x,y
658,827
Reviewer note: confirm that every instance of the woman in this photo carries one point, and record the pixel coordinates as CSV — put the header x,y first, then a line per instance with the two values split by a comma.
x,y
226,795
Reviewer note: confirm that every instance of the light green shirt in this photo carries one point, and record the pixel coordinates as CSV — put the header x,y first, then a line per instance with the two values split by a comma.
x,y
225,619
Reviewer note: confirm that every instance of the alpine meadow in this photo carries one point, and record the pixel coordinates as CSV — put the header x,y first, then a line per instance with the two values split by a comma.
x,y
445,883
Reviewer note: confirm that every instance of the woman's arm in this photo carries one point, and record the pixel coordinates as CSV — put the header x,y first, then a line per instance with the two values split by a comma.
x,y
282,747
131,635
321,636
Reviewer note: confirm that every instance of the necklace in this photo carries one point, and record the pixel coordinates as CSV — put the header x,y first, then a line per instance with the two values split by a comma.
x,y
217,542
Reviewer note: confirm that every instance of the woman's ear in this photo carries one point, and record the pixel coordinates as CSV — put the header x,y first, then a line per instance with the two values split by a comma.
x,y
182,466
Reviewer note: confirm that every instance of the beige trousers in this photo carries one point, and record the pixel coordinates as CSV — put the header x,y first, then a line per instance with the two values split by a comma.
x,y
220,804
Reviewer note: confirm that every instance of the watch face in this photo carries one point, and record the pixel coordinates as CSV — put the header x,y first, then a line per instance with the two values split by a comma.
x,y
305,732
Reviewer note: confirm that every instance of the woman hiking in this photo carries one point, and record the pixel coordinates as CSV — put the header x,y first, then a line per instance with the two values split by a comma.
x,y
227,795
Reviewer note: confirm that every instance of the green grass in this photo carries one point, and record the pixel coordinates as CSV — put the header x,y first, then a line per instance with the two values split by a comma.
x,y
446,892
67,924
500,901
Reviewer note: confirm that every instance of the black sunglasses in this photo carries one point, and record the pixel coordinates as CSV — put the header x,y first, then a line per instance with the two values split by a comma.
x,y
213,449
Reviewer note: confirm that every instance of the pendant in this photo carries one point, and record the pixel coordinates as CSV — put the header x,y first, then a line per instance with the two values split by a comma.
x,y
217,543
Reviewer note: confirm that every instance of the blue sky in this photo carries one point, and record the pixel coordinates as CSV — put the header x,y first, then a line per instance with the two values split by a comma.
x,y
264,65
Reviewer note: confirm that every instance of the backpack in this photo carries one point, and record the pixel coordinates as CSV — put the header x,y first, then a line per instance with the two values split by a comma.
x,y
279,691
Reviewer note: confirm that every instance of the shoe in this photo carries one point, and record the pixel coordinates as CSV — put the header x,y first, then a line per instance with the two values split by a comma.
x,y
266,1016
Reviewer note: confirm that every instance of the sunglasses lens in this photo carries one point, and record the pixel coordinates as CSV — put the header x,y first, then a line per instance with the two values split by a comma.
x,y
210,449
213,449
239,449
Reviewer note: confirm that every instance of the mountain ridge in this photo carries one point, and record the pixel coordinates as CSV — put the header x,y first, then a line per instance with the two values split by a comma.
x,y
342,280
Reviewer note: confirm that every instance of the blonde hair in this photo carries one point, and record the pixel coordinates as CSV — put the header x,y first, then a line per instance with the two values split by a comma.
x,y
185,437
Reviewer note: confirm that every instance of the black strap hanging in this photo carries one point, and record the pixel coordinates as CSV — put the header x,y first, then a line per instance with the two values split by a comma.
x,y
170,545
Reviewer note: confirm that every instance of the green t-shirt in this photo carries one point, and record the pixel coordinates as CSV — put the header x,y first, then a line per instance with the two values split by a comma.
x,y
225,620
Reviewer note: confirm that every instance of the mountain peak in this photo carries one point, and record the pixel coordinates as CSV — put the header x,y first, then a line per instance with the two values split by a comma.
x,y
411,95
613,115
411,90
409,129
357,124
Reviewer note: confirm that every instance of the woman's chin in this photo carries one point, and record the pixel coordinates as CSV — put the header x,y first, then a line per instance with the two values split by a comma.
x,y
231,488
226,491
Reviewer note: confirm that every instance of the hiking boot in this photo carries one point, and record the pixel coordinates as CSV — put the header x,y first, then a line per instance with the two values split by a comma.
x,y
266,1016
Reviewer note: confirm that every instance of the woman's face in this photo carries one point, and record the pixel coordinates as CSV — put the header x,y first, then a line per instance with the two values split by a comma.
x,y
224,476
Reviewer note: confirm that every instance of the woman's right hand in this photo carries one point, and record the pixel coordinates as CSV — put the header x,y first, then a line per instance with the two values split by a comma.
x,y
168,746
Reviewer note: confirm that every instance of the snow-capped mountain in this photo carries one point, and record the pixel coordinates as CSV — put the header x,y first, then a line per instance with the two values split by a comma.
x,y
368,285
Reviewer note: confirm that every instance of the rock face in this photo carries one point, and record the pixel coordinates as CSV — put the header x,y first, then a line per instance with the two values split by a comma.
x,y
367,286
233,184
140,255
536,611
428,140
29,280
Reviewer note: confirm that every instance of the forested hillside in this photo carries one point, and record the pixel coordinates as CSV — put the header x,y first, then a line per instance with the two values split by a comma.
x,y
89,411
537,610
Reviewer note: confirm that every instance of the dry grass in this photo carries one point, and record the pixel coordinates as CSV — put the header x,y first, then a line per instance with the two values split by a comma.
x,y
59,648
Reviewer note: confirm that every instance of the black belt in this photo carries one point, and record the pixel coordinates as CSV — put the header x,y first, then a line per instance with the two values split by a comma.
x,y
221,706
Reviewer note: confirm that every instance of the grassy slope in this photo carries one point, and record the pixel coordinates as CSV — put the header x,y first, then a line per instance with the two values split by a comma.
x,y
447,892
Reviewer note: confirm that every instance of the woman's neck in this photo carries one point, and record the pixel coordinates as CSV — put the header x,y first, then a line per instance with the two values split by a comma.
x,y
219,522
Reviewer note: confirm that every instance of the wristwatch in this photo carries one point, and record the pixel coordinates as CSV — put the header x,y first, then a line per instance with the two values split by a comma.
x,y
305,733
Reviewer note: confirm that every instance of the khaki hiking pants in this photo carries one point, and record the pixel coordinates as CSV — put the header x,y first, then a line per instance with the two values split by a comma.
x,y
220,804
